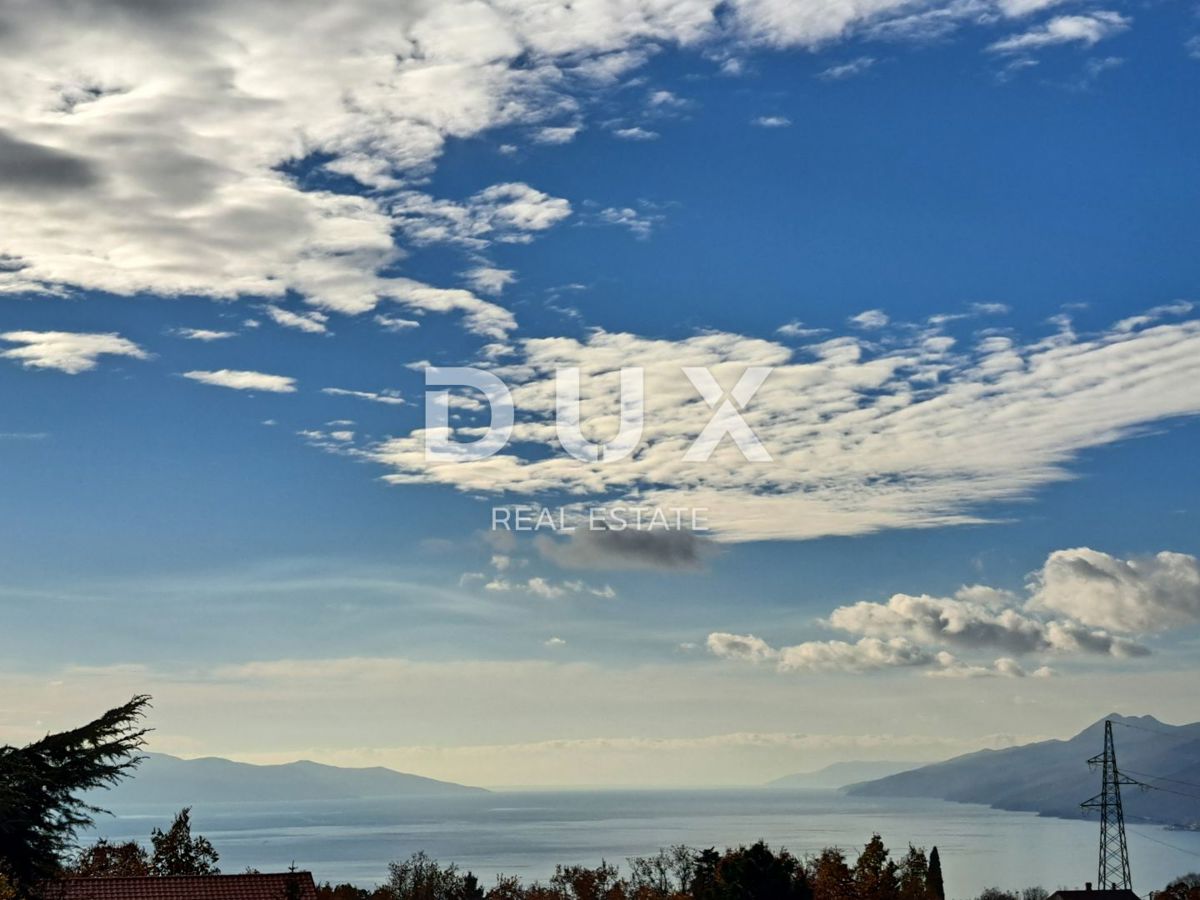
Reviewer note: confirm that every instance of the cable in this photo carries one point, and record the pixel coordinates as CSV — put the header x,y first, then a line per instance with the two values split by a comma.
x,y
1163,778
1165,844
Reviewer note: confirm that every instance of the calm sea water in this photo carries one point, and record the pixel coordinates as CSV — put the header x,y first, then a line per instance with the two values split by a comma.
x,y
526,833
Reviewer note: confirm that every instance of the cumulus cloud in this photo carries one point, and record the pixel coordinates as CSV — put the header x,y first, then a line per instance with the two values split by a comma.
x,y
509,213
220,112
244,381
870,319
865,655
771,121
1081,602
1140,595
66,351
1087,29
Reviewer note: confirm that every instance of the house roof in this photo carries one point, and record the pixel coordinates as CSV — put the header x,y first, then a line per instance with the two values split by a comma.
x,y
276,886
1123,894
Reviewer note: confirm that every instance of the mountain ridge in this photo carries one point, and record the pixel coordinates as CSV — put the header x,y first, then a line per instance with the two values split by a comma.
x,y
1052,777
162,778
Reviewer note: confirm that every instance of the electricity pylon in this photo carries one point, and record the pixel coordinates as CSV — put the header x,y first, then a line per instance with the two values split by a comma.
x,y
1114,854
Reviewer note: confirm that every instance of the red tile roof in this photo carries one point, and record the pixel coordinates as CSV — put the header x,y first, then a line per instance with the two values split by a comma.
x,y
188,887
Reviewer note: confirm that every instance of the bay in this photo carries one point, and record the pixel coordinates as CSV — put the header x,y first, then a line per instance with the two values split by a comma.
x,y
527,832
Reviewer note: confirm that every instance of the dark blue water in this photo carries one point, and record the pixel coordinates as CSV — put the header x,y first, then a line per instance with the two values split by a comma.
x,y
526,833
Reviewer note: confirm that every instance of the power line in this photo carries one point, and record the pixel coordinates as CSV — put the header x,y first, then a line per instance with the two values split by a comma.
x,y
1164,843
1163,778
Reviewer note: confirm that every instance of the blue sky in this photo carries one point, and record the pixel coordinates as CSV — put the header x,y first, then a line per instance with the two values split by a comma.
x,y
192,261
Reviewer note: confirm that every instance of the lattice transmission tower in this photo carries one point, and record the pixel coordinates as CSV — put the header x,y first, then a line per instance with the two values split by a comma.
x,y
1114,853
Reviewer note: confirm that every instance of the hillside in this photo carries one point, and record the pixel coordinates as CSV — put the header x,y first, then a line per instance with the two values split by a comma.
x,y
1052,777
840,774
168,779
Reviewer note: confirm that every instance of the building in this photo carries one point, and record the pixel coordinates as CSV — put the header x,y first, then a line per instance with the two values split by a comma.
x,y
1089,894
280,886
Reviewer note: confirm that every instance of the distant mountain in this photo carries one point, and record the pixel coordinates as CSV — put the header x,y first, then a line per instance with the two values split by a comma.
x,y
1052,777
840,774
170,780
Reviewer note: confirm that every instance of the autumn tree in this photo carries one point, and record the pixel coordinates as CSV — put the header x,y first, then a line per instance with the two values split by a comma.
x,y
832,878
105,860
176,852
41,788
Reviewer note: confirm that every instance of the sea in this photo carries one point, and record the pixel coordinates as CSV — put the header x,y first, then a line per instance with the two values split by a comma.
x,y
528,832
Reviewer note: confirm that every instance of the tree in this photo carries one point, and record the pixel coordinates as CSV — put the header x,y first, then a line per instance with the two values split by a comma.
x,y
176,852
831,876
40,784
914,876
875,873
1035,893
105,860
582,883
996,894
421,878
937,886
669,873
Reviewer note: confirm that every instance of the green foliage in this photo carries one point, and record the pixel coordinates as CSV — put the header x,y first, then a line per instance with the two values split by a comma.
x,y
40,784
875,874
914,876
936,885
176,852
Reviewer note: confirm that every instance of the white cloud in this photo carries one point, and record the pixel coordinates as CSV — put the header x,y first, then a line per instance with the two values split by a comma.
x,y
556,134
489,279
903,434
640,222
636,133
66,351
202,334
1082,602
797,329
1087,29
555,642
396,324
1139,595
850,69
870,319
311,322
244,381
771,121
389,396
868,654
508,213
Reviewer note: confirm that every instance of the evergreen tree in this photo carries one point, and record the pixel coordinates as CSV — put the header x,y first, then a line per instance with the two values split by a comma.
x,y
936,886
176,852
40,784
914,876
875,873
